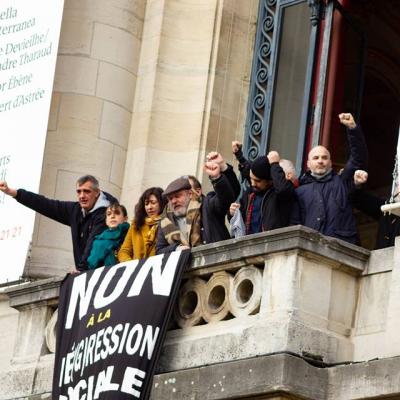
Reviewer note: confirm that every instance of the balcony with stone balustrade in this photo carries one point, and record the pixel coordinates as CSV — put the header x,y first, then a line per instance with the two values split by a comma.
x,y
282,314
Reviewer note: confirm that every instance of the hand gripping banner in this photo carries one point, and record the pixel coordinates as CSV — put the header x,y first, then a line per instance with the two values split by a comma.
x,y
111,326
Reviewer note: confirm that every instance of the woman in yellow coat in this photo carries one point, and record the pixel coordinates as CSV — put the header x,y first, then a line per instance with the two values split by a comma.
x,y
140,241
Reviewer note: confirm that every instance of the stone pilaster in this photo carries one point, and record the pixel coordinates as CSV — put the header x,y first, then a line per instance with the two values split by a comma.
x,y
90,114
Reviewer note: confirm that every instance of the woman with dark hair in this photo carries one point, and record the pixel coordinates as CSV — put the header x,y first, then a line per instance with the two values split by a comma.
x,y
140,240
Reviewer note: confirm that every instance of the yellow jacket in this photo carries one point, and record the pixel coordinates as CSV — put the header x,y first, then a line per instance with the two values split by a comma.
x,y
139,243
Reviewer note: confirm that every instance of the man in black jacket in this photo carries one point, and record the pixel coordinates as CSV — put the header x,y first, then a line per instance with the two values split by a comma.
x,y
323,196
244,165
268,203
189,221
86,217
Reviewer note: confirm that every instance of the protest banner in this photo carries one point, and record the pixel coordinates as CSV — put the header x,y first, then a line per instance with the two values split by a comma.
x,y
111,325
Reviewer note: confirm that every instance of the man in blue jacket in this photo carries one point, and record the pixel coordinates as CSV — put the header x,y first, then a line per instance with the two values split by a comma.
x,y
323,196
86,217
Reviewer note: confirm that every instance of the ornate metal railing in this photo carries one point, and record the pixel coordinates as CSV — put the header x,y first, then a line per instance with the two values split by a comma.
x,y
261,83
255,126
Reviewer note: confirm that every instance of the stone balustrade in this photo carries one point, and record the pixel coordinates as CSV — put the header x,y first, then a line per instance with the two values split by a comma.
x,y
289,295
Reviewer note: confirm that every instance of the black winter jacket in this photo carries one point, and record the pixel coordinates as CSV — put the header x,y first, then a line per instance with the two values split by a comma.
x,y
324,204
277,202
214,207
233,180
83,228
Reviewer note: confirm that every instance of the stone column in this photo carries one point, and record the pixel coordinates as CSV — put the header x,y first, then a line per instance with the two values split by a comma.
x,y
171,92
90,114
229,97
193,68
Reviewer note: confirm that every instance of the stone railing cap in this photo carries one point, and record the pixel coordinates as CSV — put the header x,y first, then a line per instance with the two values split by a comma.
x,y
249,249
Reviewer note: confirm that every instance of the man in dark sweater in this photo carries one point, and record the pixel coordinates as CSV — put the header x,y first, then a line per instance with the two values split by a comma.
x,y
86,217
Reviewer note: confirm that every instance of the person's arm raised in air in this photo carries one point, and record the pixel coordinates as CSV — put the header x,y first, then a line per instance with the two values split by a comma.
x,y
57,210
358,148
226,170
283,187
244,164
224,196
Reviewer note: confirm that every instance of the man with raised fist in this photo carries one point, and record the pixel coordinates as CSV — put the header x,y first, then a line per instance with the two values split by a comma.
x,y
267,204
323,201
84,216
189,221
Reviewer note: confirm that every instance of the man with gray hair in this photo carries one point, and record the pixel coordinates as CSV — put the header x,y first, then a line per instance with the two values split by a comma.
x,y
189,221
86,217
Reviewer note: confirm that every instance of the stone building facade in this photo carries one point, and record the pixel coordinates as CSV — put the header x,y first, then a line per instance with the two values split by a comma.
x,y
286,314
143,90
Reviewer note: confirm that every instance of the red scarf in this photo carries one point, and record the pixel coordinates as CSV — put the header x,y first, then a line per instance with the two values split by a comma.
x,y
249,212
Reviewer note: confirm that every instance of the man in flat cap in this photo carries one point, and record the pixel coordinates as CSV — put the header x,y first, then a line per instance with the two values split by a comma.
x,y
190,221
267,204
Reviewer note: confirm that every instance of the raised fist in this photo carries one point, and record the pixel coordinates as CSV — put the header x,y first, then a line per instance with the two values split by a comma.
x,y
7,190
236,146
347,120
273,156
212,169
218,159
360,177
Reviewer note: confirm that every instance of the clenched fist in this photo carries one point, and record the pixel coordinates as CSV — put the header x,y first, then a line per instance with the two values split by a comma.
x,y
273,156
347,120
236,146
212,169
218,159
7,190
360,177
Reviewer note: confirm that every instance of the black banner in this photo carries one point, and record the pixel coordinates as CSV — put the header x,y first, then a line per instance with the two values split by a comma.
x,y
111,325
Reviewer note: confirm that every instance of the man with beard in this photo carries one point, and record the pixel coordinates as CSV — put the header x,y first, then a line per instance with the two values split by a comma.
x,y
244,165
323,200
189,221
268,203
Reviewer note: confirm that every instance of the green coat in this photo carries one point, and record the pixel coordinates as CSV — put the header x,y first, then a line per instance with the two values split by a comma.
x,y
105,246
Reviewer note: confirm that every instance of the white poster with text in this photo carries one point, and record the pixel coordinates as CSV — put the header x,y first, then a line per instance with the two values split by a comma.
x,y
29,36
